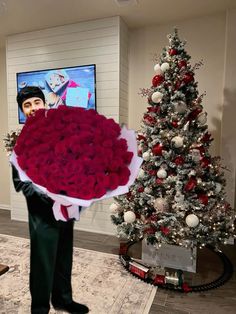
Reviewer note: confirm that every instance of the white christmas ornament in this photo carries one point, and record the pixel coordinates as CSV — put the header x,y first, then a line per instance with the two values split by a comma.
x,y
129,216
180,107
141,174
218,187
178,141
146,156
114,207
202,118
160,204
147,190
157,97
192,220
161,173
157,69
165,66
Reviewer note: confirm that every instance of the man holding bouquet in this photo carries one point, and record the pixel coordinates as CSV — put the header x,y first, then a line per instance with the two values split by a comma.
x,y
51,241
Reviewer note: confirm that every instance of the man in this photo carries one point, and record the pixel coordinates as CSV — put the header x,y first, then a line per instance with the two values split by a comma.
x,y
51,241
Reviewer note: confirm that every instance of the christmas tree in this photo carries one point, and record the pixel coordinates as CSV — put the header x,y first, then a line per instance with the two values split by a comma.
x,y
179,195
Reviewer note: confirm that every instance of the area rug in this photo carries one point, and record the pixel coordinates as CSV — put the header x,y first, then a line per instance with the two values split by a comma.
x,y
98,280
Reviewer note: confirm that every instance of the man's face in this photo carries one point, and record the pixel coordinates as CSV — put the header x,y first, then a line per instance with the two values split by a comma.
x,y
30,105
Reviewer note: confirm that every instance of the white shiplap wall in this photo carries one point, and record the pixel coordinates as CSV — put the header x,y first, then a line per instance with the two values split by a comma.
x,y
103,42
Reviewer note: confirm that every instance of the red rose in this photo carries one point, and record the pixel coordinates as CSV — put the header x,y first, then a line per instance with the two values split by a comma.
x,y
73,151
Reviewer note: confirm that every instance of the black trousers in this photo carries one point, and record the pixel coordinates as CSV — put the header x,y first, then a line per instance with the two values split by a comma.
x,y
51,250
51,244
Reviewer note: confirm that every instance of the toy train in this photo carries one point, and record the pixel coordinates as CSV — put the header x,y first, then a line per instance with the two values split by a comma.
x,y
156,275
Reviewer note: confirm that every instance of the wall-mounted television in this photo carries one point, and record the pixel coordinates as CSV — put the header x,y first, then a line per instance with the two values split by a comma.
x,y
70,86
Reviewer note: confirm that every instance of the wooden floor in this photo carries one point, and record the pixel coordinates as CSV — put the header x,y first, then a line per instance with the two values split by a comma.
x,y
218,301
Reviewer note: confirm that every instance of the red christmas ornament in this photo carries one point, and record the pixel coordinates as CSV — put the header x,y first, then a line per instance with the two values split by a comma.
x,y
179,160
201,150
165,230
188,77
227,206
182,64
140,189
191,184
157,149
206,137
186,287
141,137
174,124
129,196
193,114
150,230
152,172
157,80
159,181
173,52
203,198
140,152
205,162
153,217
149,119
177,85
155,109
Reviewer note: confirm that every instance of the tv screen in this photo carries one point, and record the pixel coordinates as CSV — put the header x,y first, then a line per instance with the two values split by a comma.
x,y
71,86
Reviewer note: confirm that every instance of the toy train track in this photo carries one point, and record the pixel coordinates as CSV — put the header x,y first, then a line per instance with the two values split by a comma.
x,y
174,281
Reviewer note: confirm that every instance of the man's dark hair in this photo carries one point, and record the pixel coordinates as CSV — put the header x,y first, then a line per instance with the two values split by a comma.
x,y
28,92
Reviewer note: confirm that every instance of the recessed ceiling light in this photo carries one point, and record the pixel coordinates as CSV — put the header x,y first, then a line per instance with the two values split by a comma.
x,y
123,3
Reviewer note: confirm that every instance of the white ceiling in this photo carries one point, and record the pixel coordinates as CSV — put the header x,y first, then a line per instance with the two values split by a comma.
x,y
17,16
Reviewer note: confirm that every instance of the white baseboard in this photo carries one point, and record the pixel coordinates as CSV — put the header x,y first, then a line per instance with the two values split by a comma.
x,y
4,206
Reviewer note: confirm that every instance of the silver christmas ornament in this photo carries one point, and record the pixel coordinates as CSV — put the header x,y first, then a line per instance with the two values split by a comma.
x,y
218,187
180,107
202,118
196,156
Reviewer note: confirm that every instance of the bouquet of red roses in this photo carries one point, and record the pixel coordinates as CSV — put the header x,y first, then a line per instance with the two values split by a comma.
x,y
76,156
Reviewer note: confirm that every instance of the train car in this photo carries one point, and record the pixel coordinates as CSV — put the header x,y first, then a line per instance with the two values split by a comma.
x,y
139,269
